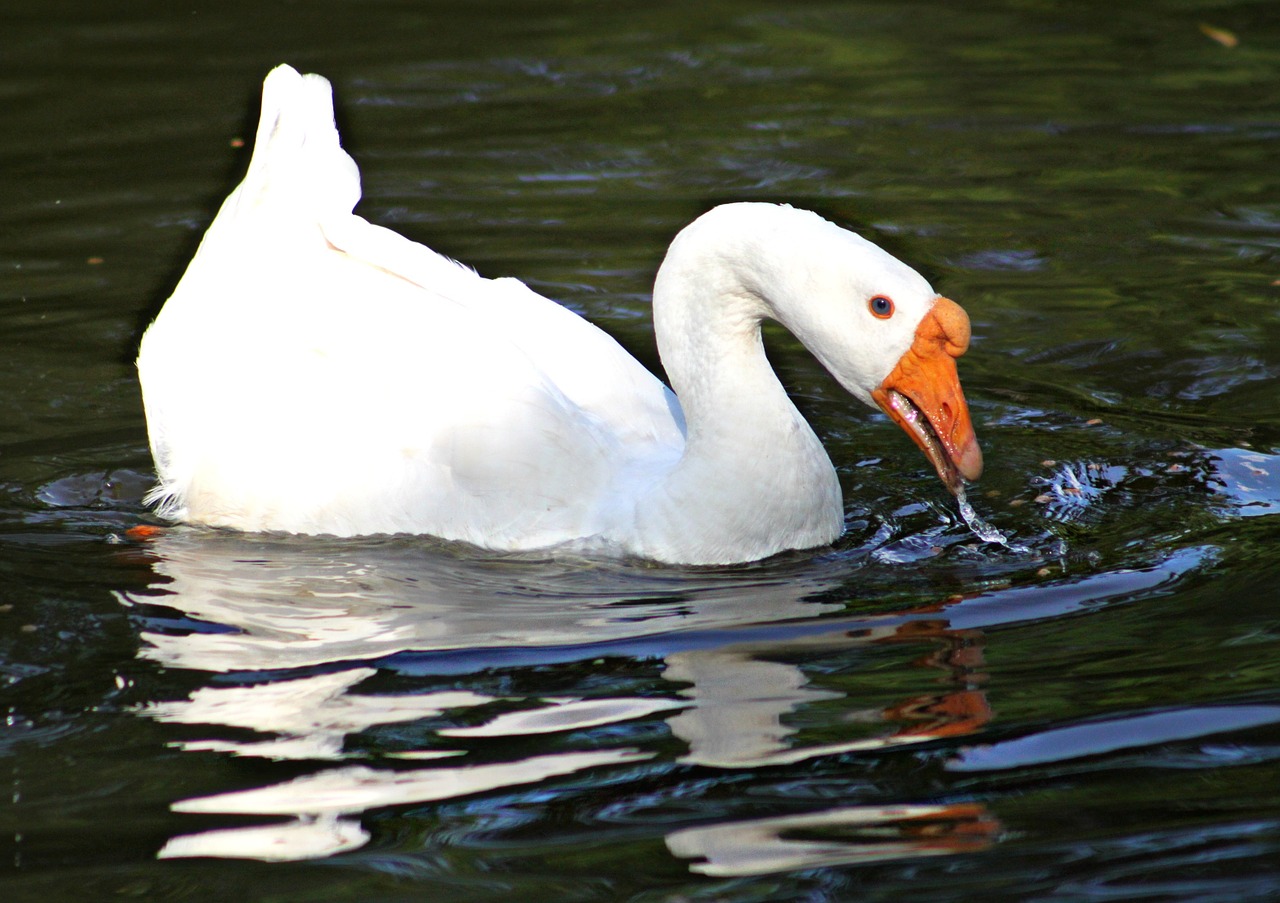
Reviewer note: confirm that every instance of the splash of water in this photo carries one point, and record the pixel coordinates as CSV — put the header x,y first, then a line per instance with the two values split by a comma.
x,y
980,528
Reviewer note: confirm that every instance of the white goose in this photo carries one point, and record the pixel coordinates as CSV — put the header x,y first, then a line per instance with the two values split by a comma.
x,y
315,373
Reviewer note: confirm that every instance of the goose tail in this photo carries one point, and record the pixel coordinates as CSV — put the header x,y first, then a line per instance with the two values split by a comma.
x,y
298,163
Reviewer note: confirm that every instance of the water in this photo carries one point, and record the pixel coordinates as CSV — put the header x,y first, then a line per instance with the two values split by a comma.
x,y
981,528
912,711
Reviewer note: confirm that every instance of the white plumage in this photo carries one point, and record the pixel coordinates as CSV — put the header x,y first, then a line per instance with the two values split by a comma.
x,y
315,373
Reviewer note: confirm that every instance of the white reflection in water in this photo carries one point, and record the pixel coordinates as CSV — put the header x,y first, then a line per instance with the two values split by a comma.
x,y
741,702
357,788
563,715
284,604
296,604
303,838
311,715
317,801
854,834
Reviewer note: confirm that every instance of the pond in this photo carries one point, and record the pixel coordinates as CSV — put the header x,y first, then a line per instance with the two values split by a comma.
x,y
1094,713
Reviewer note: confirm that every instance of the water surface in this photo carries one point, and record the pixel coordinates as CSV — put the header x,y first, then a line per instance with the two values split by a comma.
x,y
1094,712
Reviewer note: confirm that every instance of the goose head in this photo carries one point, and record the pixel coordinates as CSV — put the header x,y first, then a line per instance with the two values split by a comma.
x,y
882,331
872,321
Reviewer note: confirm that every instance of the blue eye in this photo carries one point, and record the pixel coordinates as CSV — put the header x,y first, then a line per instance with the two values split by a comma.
x,y
881,307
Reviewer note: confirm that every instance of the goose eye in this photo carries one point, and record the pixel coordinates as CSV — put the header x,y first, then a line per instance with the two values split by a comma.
x,y
881,307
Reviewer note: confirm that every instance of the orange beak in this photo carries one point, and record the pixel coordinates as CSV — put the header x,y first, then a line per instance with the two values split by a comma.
x,y
923,395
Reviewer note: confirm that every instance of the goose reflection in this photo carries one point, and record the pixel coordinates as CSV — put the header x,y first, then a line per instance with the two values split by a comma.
x,y
845,836
302,632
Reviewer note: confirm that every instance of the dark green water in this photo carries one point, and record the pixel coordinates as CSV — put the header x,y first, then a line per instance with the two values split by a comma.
x,y
210,716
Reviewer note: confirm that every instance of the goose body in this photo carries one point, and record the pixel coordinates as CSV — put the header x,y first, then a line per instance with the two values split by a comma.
x,y
315,373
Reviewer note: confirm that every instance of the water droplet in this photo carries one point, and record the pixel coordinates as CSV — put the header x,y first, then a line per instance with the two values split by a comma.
x,y
981,529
